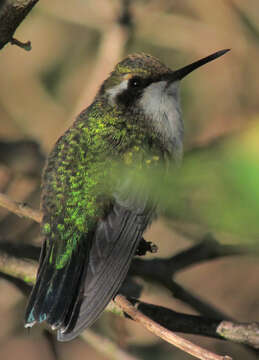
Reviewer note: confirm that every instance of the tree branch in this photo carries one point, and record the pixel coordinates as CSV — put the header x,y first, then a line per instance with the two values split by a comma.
x,y
164,320
179,322
12,13
244,333
20,209
18,271
18,268
165,268
166,334
22,274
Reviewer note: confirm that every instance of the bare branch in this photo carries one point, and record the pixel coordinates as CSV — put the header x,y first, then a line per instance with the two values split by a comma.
x,y
179,322
208,249
17,268
166,334
24,45
245,333
12,13
20,209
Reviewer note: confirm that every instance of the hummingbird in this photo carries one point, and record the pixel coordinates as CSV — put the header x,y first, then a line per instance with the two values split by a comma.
x,y
94,221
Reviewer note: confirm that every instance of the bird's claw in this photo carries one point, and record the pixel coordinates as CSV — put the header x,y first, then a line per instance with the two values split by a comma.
x,y
146,246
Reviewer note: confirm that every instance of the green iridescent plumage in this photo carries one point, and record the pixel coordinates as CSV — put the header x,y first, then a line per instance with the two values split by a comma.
x,y
79,178
78,183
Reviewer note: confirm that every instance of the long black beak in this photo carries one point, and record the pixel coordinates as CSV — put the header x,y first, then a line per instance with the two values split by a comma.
x,y
181,73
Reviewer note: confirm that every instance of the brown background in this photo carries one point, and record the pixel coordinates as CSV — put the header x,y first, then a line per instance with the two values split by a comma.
x,y
74,46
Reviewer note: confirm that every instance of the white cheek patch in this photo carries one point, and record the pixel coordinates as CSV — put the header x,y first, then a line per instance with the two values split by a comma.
x,y
116,90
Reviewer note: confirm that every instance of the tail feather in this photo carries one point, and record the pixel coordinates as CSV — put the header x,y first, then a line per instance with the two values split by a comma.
x,y
68,292
72,298
32,316
56,291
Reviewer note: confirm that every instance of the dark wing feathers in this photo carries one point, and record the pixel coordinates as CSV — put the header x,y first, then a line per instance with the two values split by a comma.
x,y
73,297
114,244
56,291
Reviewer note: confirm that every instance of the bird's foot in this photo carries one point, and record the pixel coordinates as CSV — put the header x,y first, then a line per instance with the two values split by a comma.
x,y
144,247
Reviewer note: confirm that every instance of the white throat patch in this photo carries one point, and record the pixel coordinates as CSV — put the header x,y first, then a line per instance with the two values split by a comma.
x,y
160,102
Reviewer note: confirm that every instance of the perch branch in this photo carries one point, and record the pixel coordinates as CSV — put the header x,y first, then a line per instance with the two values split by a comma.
x,y
165,268
166,334
22,274
17,268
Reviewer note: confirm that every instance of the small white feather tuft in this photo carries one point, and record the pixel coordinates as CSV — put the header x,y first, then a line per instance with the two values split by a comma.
x,y
29,325
116,90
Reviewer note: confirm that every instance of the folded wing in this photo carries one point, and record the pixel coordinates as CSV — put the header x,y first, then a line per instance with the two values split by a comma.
x,y
114,244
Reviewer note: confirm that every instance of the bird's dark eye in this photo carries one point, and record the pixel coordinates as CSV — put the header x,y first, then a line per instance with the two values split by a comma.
x,y
128,96
135,82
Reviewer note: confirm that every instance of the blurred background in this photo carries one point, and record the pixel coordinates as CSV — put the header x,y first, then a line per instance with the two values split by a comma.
x,y
74,46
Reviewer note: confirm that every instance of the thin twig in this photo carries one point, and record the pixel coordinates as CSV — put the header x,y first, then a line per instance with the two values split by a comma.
x,y
24,45
20,209
22,274
12,13
166,268
16,267
166,334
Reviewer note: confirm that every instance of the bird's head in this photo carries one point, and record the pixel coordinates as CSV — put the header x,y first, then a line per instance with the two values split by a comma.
x,y
142,86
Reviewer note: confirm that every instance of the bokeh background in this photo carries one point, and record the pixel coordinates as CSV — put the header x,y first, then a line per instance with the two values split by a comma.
x,y
75,44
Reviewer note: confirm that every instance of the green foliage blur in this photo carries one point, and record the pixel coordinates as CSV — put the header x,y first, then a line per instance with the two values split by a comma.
x,y
216,187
